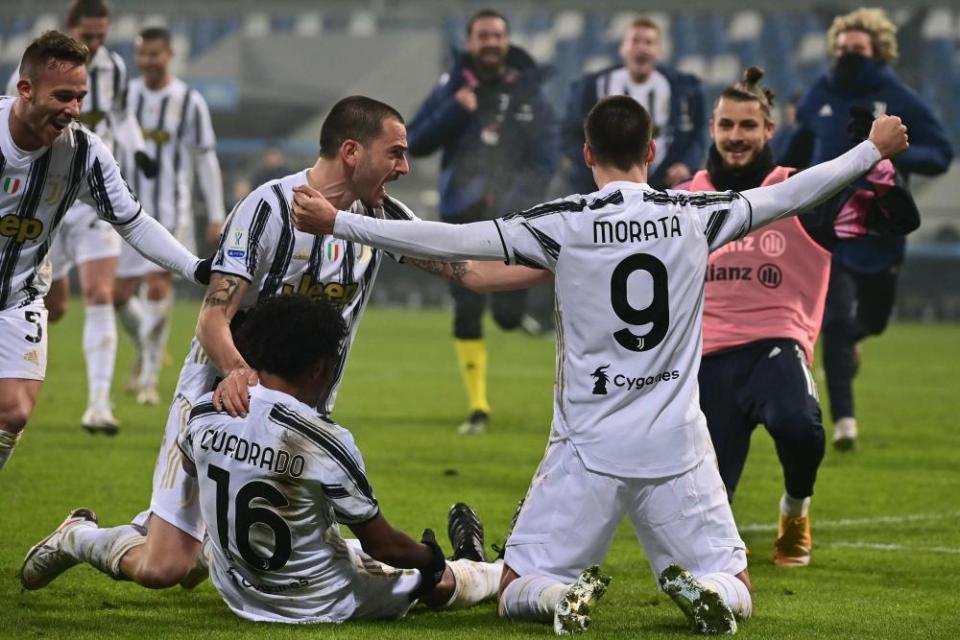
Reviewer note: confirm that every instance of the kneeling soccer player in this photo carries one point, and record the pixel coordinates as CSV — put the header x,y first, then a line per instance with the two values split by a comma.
x,y
275,486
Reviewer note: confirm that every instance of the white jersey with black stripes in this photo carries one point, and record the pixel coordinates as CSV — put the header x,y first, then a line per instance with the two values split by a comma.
x,y
179,135
36,190
273,487
260,244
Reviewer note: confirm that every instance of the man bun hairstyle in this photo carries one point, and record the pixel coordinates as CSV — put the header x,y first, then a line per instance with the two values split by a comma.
x,y
618,130
873,22
78,9
354,118
290,335
49,47
749,90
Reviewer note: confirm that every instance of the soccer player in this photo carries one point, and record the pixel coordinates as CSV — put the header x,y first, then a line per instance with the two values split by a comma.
x,y
85,240
176,123
47,162
763,304
628,436
362,148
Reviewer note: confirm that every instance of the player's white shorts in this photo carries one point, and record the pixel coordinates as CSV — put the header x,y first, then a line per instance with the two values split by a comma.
x,y
23,342
81,237
132,264
175,495
571,514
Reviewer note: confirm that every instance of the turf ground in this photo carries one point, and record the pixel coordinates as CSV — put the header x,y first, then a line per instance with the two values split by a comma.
x,y
887,541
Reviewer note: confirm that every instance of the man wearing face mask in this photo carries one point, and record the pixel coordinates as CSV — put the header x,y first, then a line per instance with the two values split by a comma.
x,y
864,276
499,141
763,302
673,99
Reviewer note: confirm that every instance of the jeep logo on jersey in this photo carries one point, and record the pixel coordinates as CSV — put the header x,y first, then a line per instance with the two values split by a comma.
x,y
773,243
770,276
336,293
20,229
600,386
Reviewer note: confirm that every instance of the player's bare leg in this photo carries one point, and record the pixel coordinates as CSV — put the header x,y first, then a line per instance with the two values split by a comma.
x,y
154,332
538,597
18,397
57,298
129,310
166,556
99,342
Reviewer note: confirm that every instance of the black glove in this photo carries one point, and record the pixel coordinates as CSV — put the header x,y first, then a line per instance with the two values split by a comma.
x,y
202,273
861,121
146,164
430,574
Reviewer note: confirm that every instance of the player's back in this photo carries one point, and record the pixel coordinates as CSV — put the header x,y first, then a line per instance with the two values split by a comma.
x,y
273,487
629,278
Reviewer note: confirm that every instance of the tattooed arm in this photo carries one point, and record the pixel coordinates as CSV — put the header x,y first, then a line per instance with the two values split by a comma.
x,y
221,302
482,276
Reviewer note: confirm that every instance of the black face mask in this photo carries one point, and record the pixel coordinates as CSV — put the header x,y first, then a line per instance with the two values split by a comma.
x,y
849,67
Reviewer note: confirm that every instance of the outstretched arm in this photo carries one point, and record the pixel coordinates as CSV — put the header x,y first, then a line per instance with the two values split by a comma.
x,y
483,276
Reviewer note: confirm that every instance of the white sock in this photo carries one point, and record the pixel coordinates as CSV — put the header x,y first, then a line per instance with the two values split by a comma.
x,y
131,317
733,591
475,582
154,331
793,507
102,548
532,598
100,349
7,442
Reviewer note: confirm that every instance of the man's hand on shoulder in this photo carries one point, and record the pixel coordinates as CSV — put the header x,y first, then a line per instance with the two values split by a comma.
x,y
889,135
312,213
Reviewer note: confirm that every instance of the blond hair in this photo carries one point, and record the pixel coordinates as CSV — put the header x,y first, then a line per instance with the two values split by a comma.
x,y
873,22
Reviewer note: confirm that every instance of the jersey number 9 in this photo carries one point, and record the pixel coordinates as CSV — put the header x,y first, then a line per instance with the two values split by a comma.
x,y
657,313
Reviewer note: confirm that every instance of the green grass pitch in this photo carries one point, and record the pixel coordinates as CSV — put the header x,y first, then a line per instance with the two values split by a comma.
x,y
886,558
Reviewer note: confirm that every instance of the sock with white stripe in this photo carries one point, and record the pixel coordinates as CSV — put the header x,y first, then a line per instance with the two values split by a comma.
x,y
102,548
794,507
475,582
154,332
100,350
7,442
532,598
733,591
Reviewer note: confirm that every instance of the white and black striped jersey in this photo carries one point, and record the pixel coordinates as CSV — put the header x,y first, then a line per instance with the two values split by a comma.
x,y
178,133
36,190
653,93
261,245
105,109
630,264
273,488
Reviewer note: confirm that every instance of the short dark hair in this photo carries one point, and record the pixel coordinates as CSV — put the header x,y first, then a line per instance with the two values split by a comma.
x,y
288,335
86,9
354,118
486,13
618,131
52,45
750,90
157,33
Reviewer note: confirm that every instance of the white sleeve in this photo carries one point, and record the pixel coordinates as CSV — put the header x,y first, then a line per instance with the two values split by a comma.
x,y
344,483
533,237
422,239
809,188
156,244
125,127
104,187
249,237
211,183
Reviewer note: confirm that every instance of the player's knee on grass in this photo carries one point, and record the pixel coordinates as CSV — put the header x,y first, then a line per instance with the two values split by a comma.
x,y
161,573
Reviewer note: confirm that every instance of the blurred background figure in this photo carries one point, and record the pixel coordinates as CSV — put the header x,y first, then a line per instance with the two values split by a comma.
x,y
863,281
499,141
674,100
273,165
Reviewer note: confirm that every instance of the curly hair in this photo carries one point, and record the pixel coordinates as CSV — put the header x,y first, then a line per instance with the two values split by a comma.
x,y
873,22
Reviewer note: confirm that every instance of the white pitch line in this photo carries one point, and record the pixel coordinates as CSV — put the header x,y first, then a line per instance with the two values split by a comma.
x,y
850,522
891,547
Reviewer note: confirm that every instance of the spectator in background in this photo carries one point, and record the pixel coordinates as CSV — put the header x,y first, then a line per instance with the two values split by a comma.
x,y
864,276
499,140
273,165
673,99
786,127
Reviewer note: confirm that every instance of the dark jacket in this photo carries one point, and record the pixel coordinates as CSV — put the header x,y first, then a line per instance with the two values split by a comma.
x,y
821,134
688,125
499,158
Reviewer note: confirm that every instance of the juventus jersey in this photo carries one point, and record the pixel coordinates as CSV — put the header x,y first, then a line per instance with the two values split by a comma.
x,y
36,190
104,110
653,94
261,245
273,488
176,126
